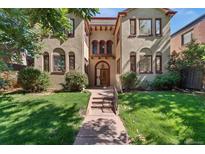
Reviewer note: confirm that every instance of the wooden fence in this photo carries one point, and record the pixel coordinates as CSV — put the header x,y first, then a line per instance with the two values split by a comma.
x,y
192,79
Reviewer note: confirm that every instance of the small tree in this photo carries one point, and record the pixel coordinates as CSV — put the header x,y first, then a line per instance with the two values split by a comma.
x,y
193,56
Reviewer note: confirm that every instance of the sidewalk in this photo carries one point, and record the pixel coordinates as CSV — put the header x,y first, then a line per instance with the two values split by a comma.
x,y
101,125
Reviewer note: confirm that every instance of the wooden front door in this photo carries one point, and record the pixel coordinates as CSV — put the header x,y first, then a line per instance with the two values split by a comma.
x,y
104,77
102,74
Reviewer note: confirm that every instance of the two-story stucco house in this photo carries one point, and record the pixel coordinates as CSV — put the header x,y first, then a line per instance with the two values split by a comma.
x,y
136,40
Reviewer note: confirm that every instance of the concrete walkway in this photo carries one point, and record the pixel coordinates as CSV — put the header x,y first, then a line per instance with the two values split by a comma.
x,y
101,125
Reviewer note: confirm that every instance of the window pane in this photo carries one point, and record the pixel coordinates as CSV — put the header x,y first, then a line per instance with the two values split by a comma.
x,y
158,64
71,62
109,47
133,63
59,63
102,47
132,26
94,44
158,27
187,38
145,27
145,64
46,62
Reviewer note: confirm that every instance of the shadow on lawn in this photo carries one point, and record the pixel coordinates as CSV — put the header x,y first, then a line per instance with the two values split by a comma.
x,y
186,107
37,122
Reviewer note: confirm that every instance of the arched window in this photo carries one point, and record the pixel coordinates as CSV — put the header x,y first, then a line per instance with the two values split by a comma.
x,y
94,47
109,47
58,60
102,47
158,63
71,61
145,63
46,61
133,61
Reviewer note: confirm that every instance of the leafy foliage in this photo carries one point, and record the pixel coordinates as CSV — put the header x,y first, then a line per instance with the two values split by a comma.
x,y
22,29
166,81
33,80
193,56
75,81
129,80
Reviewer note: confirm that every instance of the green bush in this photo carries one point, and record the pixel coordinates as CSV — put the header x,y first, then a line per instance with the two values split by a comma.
x,y
33,80
129,80
75,81
166,81
144,85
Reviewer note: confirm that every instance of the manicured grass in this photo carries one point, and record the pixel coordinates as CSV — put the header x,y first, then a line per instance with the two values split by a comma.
x,y
163,117
34,119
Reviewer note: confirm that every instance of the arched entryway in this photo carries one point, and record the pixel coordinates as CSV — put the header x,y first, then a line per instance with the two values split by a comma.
x,y
102,74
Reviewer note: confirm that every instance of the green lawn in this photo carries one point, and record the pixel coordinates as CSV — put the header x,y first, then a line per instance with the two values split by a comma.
x,y
34,119
163,117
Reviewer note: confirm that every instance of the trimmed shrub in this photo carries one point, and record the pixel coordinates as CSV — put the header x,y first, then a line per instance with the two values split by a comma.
x,y
144,85
166,81
33,80
129,80
75,81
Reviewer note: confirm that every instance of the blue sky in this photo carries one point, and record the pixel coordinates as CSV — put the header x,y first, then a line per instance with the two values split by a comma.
x,y
183,16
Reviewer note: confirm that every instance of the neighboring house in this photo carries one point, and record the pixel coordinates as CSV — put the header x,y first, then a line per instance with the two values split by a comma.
x,y
136,40
16,65
192,31
192,78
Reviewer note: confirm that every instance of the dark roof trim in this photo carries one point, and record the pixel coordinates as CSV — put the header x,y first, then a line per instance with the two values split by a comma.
x,y
189,24
103,18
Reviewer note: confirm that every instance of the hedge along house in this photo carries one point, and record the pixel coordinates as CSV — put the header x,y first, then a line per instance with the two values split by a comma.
x,y
136,40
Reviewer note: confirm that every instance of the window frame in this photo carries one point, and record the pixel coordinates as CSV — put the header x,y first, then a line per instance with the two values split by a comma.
x,y
109,42
46,54
133,54
71,54
61,52
158,71
97,44
135,27
104,43
182,37
149,72
72,34
145,35
160,30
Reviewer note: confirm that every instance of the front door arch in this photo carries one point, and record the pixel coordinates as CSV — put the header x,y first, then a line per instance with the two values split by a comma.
x,y
102,74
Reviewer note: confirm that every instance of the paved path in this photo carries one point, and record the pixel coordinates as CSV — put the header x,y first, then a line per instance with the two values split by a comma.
x,y
101,125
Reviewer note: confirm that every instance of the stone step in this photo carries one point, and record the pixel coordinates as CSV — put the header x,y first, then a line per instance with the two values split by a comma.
x,y
101,106
103,98
101,102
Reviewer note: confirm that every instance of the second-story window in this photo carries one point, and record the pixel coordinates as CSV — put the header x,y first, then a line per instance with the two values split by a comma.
x,y
132,26
102,47
109,47
72,27
187,38
158,27
94,47
145,27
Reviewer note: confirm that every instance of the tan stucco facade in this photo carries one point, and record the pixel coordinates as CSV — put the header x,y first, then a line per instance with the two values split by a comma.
x,y
108,29
153,43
